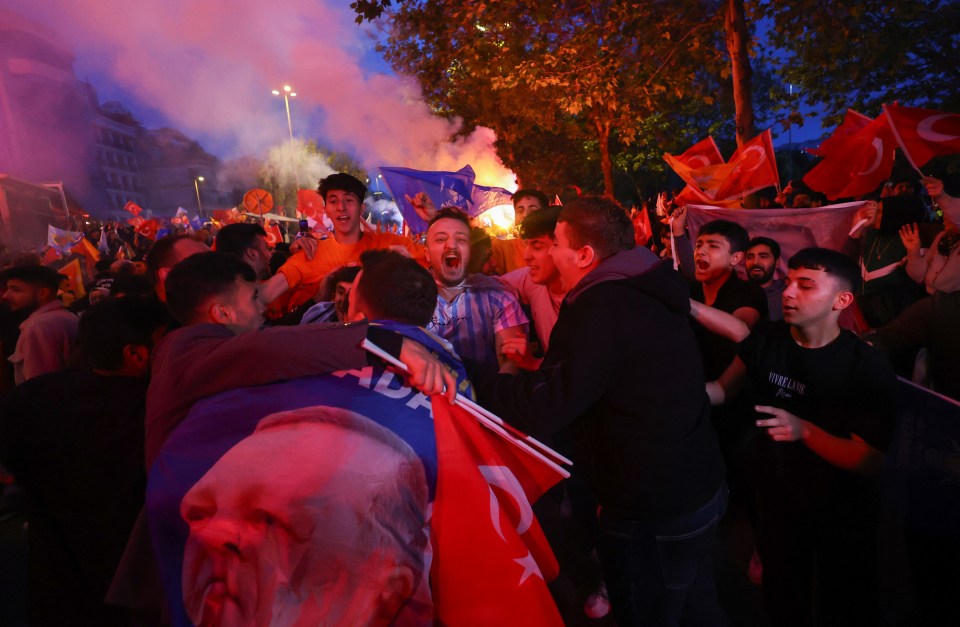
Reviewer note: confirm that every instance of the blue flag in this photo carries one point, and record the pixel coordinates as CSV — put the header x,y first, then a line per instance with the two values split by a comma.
x,y
444,188
62,241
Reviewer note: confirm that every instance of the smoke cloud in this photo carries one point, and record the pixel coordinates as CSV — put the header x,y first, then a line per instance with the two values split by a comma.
x,y
208,67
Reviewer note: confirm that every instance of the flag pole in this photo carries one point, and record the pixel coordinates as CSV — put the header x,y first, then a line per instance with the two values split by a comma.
x,y
525,442
896,134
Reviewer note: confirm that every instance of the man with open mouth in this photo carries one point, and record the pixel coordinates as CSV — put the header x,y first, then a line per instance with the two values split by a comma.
x,y
475,313
298,281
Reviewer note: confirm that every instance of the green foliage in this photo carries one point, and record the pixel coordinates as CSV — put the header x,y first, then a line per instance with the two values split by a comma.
x,y
554,79
865,53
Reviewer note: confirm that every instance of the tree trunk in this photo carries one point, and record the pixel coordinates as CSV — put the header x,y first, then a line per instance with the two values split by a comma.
x,y
606,163
738,46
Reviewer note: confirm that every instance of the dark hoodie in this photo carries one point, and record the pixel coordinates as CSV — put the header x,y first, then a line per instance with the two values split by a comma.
x,y
623,381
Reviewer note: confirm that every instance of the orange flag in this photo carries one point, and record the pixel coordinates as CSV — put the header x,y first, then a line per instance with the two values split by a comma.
x,y
75,278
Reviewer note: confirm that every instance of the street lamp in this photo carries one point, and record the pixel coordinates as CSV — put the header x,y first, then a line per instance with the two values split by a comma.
x,y
288,93
196,186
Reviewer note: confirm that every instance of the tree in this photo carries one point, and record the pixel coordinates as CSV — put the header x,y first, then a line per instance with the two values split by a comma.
x,y
863,54
531,68
738,47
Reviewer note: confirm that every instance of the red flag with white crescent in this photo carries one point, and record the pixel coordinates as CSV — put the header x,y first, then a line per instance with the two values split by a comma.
x,y
857,166
852,122
924,133
754,167
491,562
697,166
274,236
309,203
149,229
642,231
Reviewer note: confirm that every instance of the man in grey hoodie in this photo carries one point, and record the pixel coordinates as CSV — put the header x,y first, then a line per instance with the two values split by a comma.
x,y
639,424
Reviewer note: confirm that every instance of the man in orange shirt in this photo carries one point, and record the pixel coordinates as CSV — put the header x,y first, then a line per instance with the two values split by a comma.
x,y
298,280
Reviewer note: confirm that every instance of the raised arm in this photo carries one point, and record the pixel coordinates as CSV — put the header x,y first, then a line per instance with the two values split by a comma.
x,y
735,327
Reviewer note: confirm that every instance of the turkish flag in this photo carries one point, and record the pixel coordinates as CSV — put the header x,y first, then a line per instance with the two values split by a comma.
x,y
856,166
309,203
852,122
491,560
754,167
642,231
149,229
132,207
704,152
227,216
274,236
924,133
694,165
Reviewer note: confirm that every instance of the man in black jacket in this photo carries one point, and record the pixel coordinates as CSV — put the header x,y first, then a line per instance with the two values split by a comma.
x,y
621,381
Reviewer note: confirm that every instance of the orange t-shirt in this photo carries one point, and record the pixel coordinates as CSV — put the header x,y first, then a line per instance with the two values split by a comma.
x,y
305,276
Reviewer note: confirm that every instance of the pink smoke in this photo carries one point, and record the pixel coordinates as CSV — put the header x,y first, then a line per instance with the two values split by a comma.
x,y
208,67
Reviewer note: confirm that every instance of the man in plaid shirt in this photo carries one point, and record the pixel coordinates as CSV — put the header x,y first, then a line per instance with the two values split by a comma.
x,y
475,313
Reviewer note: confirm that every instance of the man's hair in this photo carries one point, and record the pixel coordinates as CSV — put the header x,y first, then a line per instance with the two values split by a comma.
x,y
395,287
200,277
237,238
520,194
735,234
765,241
343,182
36,275
109,326
598,222
343,274
449,212
540,223
830,261
162,255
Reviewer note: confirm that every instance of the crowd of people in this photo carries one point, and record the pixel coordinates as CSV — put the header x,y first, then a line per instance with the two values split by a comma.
x,y
731,377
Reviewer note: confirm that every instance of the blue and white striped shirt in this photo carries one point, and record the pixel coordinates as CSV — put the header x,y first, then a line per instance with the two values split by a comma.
x,y
472,320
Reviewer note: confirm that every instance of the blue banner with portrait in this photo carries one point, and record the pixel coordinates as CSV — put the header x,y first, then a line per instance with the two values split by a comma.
x,y
302,502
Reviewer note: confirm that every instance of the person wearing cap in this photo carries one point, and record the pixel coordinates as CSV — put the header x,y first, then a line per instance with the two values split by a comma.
x,y
49,334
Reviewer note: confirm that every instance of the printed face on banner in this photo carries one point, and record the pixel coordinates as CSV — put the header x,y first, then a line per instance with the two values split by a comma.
x,y
317,518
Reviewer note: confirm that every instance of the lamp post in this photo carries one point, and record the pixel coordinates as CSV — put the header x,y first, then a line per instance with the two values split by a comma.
x,y
196,186
288,93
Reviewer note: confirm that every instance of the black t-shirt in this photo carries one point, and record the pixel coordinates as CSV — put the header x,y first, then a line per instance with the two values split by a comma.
x,y
718,352
845,388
